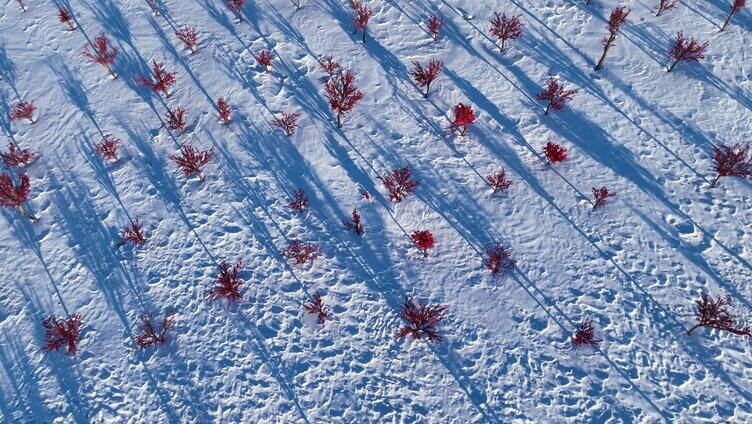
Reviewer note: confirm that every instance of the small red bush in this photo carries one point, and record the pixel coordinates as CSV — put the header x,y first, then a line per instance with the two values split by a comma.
x,y
300,253
399,184
133,234
686,50
316,307
17,157
228,282
422,321
665,5
299,200
434,26
585,334
288,122
102,54
506,28
424,240
264,58
65,17
108,148
189,36
499,182
498,259
61,332
192,160
732,161
556,95
23,110
601,196
712,313
424,76
617,18
464,116
555,153
149,336
162,80
354,223
176,119
224,111
342,94
236,7
736,7
329,65
14,196
361,16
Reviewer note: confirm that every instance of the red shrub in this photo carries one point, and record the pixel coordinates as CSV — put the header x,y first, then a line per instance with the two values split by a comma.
x,y
498,259
464,116
189,36
228,282
316,307
264,58
65,17
149,336
354,223
329,65
22,4
192,160
424,240
102,54
399,184
23,110
162,80
736,7
555,153
61,332
585,334
499,181
133,234
342,94
434,26
714,314
556,95
154,7
615,21
600,196
422,321
288,122
300,253
686,50
506,28
176,119
732,161
299,200
664,5
108,148
223,110
235,6
14,196
425,76
17,157
361,16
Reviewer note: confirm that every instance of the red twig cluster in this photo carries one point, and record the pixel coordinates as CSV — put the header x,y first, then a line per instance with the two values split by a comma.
x,y
424,240
464,116
264,58
189,36
60,332
685,50
23,110
713,313
17,157
176,119
229,282
498,259
736,7
601,196
102,53
361,16
615,21
732,161
108,148
301,253
498,181
434,26
585,334
287,122
556,95
224,111
424,76
316,307
299,200
133,234
154,7
342,94
399,184
236,7
65,17
665,5
354,224
555,153
422,321
14,196
192,160
329,65
506,28
149,336
160,80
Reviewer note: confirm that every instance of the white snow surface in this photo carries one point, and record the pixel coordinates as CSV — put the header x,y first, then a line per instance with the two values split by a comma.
x,y
635,267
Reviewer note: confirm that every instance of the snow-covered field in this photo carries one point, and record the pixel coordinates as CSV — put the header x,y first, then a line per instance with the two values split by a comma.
x,y
635,267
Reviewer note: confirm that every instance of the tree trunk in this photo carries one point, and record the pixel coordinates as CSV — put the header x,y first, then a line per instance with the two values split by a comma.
x,y
603,56
547,108
364,35
26,214
693,328
715,181
671,68
728,18
339,120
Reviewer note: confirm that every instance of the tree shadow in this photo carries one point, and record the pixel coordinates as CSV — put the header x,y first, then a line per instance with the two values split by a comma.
x,y
27,403
73,89
8,71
